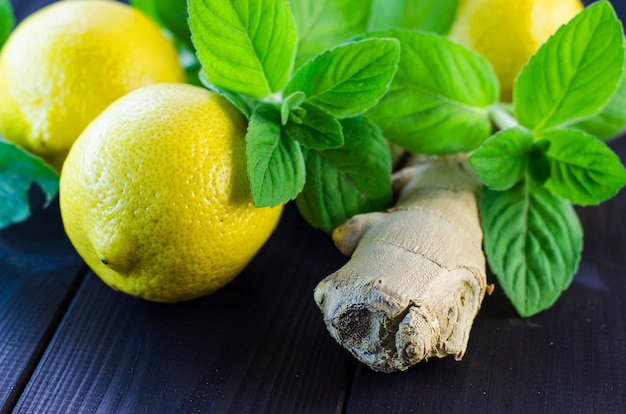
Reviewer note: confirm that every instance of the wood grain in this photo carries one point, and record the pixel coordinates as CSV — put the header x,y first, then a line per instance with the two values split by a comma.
x,y
39,272
258,345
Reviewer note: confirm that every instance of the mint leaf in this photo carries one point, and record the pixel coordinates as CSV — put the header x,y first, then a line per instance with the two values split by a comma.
x,y
584,170
291,108
349,180
7,20
501,162
318,129
275,161
533,241
247,47
428,15
18,171
573,74
538,163
324,24
348,79
439,99
610,122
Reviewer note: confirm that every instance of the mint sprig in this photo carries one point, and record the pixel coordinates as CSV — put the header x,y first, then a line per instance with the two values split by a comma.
x,y
535,171
314,127
537,161
316,135
296,143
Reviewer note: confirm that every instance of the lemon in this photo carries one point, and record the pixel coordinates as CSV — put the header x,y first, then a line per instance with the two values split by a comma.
x,y
155,194
509,32
67,62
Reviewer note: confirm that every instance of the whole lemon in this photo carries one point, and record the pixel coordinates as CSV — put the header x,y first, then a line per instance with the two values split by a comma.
x,y
68,61
509,32
155,194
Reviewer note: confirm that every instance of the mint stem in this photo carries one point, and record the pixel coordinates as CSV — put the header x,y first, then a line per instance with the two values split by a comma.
x,y
501,117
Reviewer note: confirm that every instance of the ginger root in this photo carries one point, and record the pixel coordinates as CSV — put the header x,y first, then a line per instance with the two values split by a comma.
x,y
416,278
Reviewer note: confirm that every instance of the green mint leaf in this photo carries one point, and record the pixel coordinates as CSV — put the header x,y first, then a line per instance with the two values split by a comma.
x,y
610,122
584,170
439,99
247,47
501,115
18,171
324,24
7,20
533,241
291,103
318,129
275,161
572,75
538,163
350,180
348,79
428,15
501,162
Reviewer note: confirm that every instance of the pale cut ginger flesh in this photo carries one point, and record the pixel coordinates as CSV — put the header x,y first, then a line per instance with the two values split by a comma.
x,y
417,277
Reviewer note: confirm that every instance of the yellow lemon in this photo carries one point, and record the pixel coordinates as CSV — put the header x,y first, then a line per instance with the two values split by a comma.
x,y
155,194
509,32
67,62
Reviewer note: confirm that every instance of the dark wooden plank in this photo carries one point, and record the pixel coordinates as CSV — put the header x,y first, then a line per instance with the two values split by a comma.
x,y
258,345
39,271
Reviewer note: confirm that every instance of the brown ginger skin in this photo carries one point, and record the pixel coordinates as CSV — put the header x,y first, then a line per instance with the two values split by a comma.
x,y
416,278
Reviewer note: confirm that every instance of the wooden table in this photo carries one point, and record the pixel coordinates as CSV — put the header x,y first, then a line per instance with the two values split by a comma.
x,y
69,344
